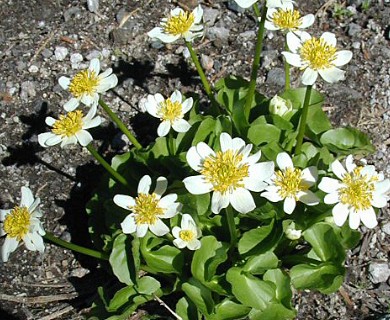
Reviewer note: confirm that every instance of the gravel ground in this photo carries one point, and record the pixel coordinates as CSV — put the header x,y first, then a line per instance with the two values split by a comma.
x,y
40,40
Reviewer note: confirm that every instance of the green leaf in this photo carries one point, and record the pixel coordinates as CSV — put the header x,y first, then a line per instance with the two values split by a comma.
x,y
349,237
121,297
206,128
317,120
229,310
283,285
325,277
199,295
147,285
325,242
194,204
263,133
208,257
250,290
274,311
259,264
121,261
187,310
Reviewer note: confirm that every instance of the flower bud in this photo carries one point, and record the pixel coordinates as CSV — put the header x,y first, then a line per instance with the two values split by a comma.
x,y
292,233
280,106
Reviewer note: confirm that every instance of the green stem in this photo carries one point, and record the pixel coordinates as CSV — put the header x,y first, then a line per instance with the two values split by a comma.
x,y
202,76
303,120
232,226
286,71
106,166
74,247
256,61
120,124
171,144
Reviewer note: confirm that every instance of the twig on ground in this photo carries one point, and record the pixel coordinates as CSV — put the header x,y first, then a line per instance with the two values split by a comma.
x,y
57,314
42,46
38,299
167,307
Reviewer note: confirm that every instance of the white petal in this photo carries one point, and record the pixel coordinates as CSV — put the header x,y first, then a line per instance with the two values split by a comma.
x,y
68,140
187,105
144,184
50,121
293,42
64,82
84,137
309,76
3,214
354,220
368,218
271,196
293,59
329,185
338,169
284,161
242,200
308,198
270,26
27,198
349,164
105,74
159,228
383,186
178,242
219,201
90,99
252,159
141,230
107,83
245,3
332,198
226,142
181,125
95,122
329,38
289,205
332,75
378,200
172,210
310,175
197,185
176,96
307,21
342,57
340,213
263,170
72,104
187,223
193,159
194,244
175,231
124,201
198,14
48,139
9,246
94,66
164,128
161,186
204,150
168,200
128,225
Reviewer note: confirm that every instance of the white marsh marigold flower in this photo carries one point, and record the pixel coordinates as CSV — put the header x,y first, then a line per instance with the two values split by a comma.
x,y
355,192
70,129
147,209
179,24
170,111
291,184
187,235
86,85
22,224
230,173
287,19
316,56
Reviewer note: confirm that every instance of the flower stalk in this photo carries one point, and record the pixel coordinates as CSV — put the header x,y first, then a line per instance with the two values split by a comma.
x,y
286,71
115,175
120,124
74,247
256,60
302,122
231,226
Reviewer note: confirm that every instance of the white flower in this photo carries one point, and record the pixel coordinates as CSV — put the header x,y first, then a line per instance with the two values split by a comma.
x,y
291,184
229,173
270,3
86,85
22,224
292,233
187,235
170,111
179,24
70,128
147,209
280,106
286,18
316,56
356,191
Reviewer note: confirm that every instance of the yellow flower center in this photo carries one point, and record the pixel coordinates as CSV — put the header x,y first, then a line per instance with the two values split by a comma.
x,y
17,223
290,182
358,189
85,82
170,110
68,125
186,235
177,25
225,171
318,54
146,209
287,19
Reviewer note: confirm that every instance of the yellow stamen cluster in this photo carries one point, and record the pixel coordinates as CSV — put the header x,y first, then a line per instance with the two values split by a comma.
x,y
177,25
170,110
17,223
358,189
146,209
186,235
225,171
67,125
287,19
85,82
290,182
318,54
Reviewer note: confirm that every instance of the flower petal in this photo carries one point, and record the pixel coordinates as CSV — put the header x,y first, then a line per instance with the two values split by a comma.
x,y
368,218
332,198
94,66
307,21
219,201
144,184
354,220
164,128
181,125
289,205
84,137
27,198
72,104
161,186
342,57
338,169
309,76
340,214
293,59
242,200
329,185
197,185
124,201
107,83
64,82
309,198
159,228
9,246
332,75
284,161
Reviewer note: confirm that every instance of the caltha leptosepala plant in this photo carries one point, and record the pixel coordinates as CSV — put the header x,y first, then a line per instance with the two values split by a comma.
x,y
232,208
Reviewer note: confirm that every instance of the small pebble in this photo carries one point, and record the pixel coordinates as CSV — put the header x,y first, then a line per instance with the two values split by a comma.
x,y
93,5
33,69
207,62
75,60
386,228
379,272
60,53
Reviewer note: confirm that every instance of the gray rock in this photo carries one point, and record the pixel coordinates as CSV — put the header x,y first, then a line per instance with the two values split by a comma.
x,y
354,29
247,35
33,69
207,62
93,5
75,59
386,228
210,16
220,33
47,53
276,77
94,54
60,53
379,272
72,13
27,90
